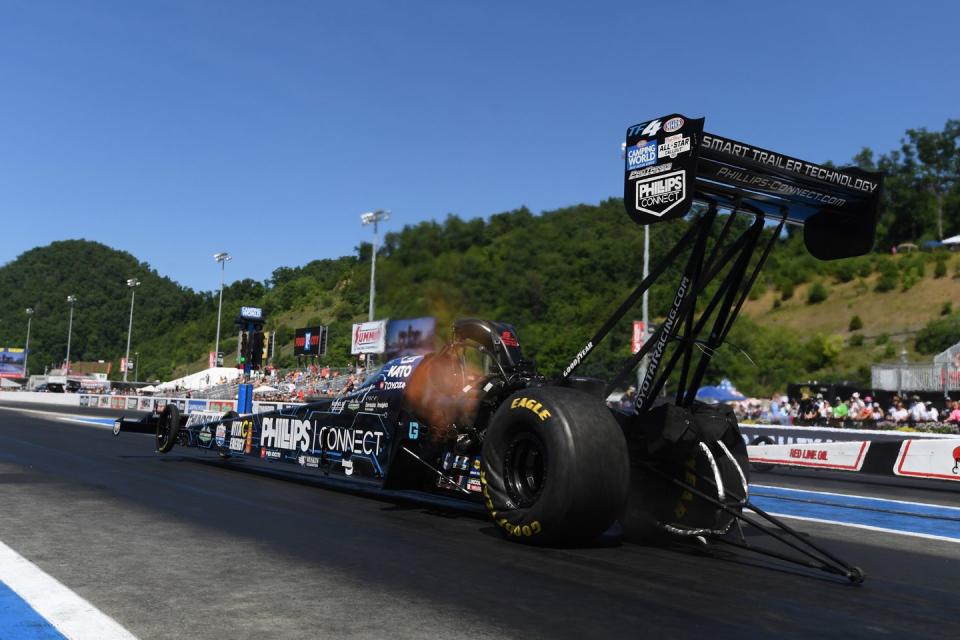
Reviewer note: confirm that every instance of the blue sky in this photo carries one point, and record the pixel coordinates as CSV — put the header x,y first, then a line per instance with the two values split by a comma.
x,y
176,129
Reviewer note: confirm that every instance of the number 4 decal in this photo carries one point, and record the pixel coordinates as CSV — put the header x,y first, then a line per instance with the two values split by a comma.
x,y
651,129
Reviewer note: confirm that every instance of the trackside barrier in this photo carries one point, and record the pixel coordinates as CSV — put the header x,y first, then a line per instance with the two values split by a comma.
x,y
135,403
891,453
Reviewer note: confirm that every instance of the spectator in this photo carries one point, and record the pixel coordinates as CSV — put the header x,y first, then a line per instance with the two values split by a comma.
x,y
955,414
918,411
840,411
899,413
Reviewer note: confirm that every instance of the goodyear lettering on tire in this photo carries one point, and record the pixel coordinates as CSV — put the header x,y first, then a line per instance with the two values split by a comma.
x,y
526,530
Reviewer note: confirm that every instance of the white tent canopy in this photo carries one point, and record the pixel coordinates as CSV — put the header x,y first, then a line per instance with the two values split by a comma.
x,y
264,389
202,379
8,384
952,240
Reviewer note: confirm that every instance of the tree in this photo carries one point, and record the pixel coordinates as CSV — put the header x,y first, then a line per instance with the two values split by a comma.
x,y
937,159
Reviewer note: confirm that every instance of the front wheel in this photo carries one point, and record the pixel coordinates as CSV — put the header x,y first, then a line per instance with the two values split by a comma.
x,y
168,426
555,467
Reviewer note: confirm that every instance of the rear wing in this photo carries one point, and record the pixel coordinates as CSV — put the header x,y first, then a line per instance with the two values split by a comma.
x,y
671,164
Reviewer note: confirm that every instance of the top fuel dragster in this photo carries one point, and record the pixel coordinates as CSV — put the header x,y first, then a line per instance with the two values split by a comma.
x,y
547,459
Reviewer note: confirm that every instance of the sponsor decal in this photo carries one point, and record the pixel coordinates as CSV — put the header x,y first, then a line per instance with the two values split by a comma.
x,y
661,344
292,434
648,129
578,359
241,435
642,154
400,371
413,431
649,171
392,385
221,435
777,186
198,418
673,146
657,195
532,405
205,435
308,461
271,454
347,466
786,163
939,459
842,456
673,124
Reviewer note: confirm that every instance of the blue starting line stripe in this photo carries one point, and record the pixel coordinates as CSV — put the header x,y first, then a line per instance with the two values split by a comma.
x,y
19,621
895,516
107,422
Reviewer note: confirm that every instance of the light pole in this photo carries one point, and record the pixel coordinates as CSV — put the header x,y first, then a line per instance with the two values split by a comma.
x,y
223,257
26,349
136,364
374,217
133,283
71,300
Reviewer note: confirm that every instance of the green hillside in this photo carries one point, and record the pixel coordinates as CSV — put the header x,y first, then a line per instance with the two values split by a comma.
x,y
555,275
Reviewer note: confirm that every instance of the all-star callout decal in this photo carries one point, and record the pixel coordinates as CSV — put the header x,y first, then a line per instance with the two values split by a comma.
x,y
660,167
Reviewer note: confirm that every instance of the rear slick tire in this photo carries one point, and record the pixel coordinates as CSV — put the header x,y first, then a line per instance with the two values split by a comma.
x,y
168,426
555,469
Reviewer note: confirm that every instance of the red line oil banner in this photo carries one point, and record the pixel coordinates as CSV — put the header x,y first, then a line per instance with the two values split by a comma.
x,y
11,362
310,341
369,337
842,456
411,337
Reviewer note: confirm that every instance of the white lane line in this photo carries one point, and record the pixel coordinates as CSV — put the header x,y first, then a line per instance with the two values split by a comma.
x,y
66,417
854,525
70,614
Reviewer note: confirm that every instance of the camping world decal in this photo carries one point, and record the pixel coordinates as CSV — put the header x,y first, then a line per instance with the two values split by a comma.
x,y
642,154
657,195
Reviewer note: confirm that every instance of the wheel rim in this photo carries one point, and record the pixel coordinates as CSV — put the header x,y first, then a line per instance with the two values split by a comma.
x,y
163,433
525,469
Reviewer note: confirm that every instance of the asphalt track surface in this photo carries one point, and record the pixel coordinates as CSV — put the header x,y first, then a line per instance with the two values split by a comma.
x,y
184,546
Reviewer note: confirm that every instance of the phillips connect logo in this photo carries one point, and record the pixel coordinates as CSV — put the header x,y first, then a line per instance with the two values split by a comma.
x,y
657,195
